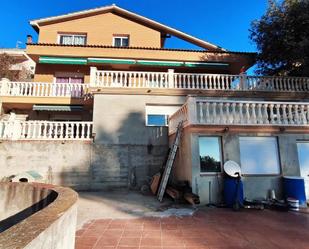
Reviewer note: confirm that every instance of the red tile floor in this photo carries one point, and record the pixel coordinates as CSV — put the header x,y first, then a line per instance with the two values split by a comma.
x,y
209,228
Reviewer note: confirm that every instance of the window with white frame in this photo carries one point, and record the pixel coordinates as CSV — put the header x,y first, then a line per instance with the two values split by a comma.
x,y
121,41
72,39
210,153
259,156
157,115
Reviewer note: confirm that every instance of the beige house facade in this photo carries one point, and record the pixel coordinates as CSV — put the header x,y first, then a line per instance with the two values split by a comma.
x,y
106,87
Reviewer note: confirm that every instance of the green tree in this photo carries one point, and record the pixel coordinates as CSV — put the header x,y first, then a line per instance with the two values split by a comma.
x,y
282,38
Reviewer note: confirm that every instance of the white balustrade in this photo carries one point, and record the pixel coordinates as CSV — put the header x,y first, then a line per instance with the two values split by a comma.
x,y
177,117
223,112
130,79
41,89
269,83
159,80
172,80
45,130
247,113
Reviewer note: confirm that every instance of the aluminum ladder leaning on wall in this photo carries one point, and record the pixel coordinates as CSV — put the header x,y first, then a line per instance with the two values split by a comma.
x,y
169,163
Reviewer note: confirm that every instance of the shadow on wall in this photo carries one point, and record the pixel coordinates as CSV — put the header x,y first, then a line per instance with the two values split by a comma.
x,y
127,157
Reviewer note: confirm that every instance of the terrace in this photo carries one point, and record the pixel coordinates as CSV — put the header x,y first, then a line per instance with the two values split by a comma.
x,y
234,113
170,80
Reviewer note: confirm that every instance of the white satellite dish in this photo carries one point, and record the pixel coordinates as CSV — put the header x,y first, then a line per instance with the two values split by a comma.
x,y
232,168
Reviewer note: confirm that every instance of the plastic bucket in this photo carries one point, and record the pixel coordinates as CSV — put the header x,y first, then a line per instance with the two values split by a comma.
x,y
294,188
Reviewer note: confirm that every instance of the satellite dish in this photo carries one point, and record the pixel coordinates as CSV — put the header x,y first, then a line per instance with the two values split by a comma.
x,y
232,168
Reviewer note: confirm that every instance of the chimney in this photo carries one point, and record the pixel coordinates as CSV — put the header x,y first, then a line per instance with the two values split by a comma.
x,y
29,39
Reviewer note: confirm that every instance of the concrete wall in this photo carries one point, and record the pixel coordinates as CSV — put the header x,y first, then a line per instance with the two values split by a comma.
x,y
13,202
124,153
67,163
83,165
53,227
119,124
210,186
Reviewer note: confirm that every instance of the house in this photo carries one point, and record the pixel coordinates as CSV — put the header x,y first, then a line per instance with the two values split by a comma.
x,y
107,96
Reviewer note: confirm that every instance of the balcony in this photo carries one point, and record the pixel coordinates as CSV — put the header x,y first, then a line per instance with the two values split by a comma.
x,y
42,89
194,81
45,130
186,83
229,113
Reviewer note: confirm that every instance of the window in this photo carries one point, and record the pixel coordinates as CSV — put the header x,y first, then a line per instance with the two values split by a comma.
x,y
210,154
259,155
157,115
69,39
157,120
68,79
121,41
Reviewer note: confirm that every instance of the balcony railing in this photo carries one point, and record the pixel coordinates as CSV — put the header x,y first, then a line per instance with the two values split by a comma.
x,y
199,111
45,130
155,80
171,80
41,89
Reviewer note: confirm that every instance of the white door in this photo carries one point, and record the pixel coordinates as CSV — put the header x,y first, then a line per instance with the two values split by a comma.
x,y
303,158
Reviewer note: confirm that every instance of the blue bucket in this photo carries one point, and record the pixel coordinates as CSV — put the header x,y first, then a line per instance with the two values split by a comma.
x,y
230,188
294,187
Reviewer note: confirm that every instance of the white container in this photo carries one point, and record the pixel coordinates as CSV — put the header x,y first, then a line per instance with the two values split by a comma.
x,y
293,204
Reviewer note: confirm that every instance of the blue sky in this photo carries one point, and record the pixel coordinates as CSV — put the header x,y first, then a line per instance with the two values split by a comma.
x,y
221,22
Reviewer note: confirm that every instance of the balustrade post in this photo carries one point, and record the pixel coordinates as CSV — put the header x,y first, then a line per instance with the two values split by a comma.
x,y
88,130
253,111
234,115
4,86
93,76
171,78
303,115
272,116
192,111
284,115
243,81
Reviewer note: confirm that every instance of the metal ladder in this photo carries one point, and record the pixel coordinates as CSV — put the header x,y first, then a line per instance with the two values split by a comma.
x,y
169,163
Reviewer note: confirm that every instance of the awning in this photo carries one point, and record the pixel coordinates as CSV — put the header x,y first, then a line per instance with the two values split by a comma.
x,y
160,63
111,61
62,60
58,108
